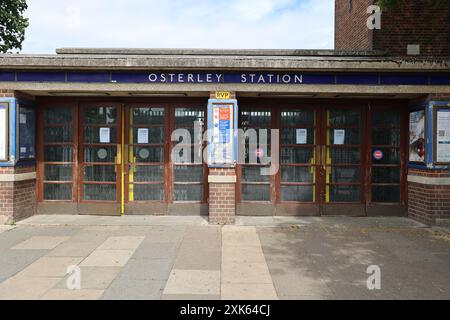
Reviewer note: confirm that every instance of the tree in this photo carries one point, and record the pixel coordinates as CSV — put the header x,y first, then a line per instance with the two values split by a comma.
x,y
12,24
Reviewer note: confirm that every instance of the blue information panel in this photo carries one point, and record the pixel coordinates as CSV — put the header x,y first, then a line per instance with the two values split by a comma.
x,y
222,136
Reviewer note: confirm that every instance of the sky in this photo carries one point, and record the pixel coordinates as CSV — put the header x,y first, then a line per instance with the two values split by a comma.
x,y
252,24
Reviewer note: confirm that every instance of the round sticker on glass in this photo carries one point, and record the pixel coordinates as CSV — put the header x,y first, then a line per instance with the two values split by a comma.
x,y
102,154
144,153
259,153
378,154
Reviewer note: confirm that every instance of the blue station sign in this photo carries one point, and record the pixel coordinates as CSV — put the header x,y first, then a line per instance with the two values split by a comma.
x,y
297,78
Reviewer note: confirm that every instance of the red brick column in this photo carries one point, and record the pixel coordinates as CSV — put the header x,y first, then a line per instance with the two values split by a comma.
x,y
429,196
222,196
17,193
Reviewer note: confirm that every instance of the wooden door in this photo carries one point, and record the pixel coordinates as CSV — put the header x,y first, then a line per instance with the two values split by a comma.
x,y
100,158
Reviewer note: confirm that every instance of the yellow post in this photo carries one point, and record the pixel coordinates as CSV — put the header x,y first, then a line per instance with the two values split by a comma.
x,y
132,161
122,204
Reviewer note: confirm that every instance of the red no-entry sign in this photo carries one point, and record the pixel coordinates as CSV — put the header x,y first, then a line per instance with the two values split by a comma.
x,y
378,154
260,153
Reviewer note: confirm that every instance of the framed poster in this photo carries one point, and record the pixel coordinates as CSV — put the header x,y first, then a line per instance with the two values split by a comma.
x,y
442,136
221,134
417,136
27,132
4,131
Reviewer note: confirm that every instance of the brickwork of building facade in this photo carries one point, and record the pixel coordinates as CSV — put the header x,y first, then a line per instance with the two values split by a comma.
x,y
351,32
222,198
408,23
429,203
17,198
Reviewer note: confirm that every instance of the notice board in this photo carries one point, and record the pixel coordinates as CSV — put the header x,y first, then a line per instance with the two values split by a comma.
x,y
222,133
27,132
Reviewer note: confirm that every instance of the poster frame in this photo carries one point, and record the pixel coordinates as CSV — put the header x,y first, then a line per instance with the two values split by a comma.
x,y
425,136
7,126
233,131
436,110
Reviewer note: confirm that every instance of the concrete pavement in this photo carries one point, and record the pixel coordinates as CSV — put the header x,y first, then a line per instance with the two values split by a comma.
x,y
260,258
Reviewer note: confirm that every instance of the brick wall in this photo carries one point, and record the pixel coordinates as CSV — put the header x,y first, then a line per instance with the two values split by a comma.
x,y
222,204
351,25
17,198
412,22
428,203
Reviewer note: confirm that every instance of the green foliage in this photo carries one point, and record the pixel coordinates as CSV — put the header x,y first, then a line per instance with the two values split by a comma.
x,y
386,4
12,24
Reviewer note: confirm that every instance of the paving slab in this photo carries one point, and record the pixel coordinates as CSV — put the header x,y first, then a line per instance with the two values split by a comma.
x,y
147,269
40,243
200,249
14,261
189,258
107,258
169,234
93,278
49,267
189,297
245,272
301,285
127,289
91,236
26,288
65,294
243,253
193,282
240,236
249,291
72,248
121,243
152,250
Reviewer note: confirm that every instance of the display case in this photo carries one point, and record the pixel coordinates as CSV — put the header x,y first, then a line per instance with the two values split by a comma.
x,y
17,131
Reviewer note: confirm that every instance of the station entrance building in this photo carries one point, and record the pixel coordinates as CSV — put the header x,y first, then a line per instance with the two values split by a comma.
x,y
91,132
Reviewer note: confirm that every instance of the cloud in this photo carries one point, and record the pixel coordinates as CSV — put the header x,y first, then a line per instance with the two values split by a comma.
x,y
277,24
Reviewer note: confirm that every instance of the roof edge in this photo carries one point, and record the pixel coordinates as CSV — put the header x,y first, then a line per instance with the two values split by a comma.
x,y
218,52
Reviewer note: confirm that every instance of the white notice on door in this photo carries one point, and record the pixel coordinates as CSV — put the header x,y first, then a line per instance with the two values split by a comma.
x,y
142,135
105,135
302,136
339,136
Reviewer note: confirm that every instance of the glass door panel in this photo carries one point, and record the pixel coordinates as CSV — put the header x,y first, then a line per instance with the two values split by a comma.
x,y
188,171
343,156
298,160
386,172
255,187
58,154
146,170
101,153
